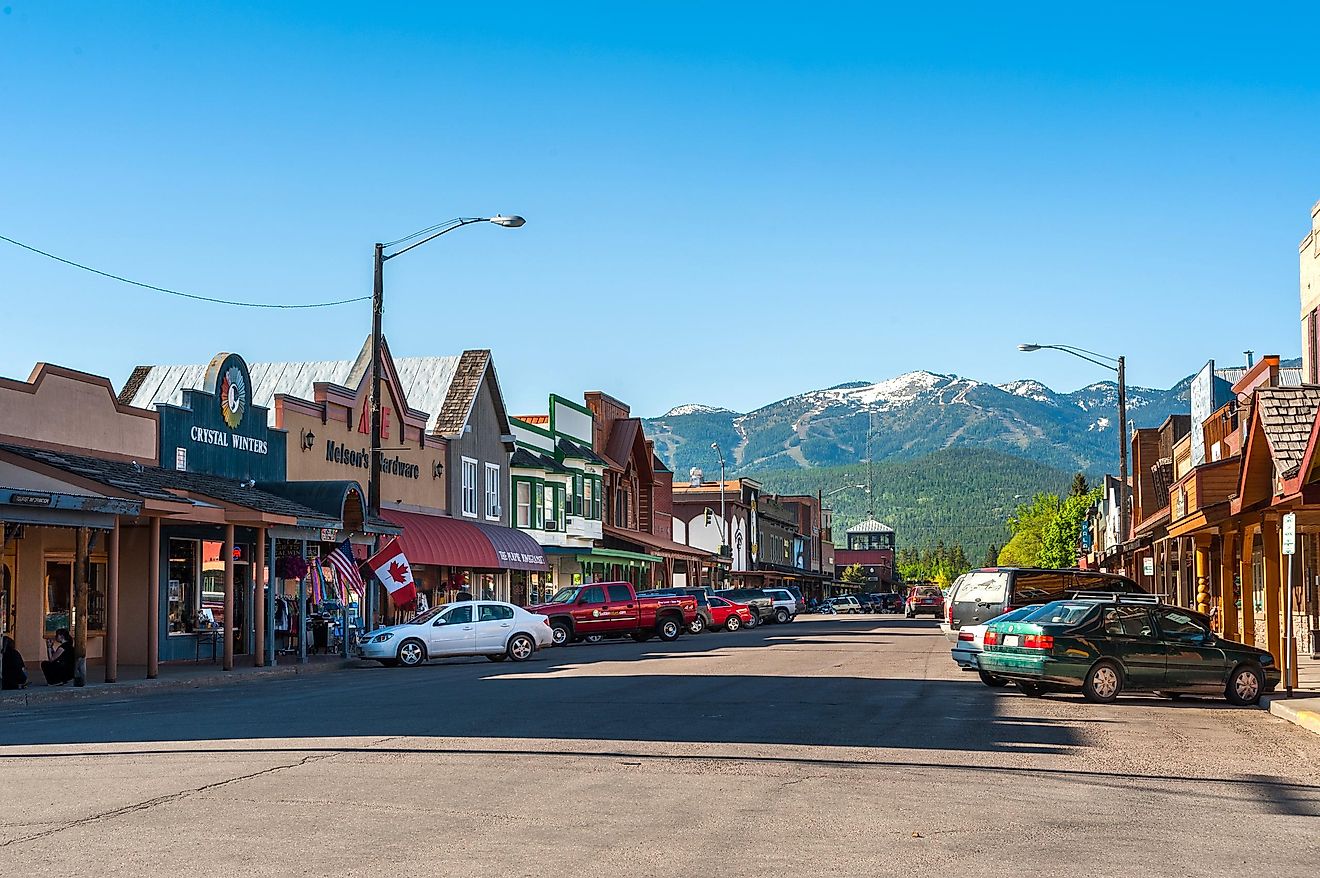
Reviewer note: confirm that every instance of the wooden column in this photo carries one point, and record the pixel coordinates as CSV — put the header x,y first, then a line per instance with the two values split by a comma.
x,y
1201,552
1228,621
229,597
80,581
1273,618
259,601
112,609
153,602
1247,618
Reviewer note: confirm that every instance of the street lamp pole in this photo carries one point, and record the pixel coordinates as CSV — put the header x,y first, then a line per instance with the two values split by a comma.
x,y
377,312
1119,365
724,523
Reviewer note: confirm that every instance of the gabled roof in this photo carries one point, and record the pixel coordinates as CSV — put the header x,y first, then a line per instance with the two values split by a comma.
x,y
448,387
870,526
1287,415
570,450
526,458
627,441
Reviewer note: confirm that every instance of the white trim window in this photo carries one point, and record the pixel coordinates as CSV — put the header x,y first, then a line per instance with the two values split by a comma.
x,y
524,503
493,492
469,487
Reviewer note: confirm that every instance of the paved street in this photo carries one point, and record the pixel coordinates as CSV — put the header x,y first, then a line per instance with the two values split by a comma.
x,y
848,746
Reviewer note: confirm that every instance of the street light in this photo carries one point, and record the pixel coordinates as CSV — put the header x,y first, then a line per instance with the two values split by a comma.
x,y
724,525
377,309
1113,364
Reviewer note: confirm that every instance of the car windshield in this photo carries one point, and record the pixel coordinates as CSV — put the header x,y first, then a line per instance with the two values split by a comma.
x,y
423,618
1060,613
563,596
1015,615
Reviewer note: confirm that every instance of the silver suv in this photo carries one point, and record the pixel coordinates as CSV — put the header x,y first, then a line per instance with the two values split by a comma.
x,y
785,605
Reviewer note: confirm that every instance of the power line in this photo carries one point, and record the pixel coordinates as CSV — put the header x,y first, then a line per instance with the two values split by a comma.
x,y
167,291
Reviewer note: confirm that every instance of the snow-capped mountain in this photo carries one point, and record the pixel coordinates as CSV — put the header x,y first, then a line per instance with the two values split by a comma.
x,y
911,415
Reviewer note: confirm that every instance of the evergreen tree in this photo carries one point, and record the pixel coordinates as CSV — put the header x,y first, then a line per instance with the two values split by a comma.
x,y
991,556
1079,486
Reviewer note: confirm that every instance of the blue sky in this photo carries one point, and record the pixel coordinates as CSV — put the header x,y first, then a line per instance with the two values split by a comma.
x,y
726,203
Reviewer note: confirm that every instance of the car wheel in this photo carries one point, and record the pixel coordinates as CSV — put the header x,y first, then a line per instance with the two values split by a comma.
x,y
754,620
669,630
733,623
521,648
1103,683
411,653
594,638
991,680
1244,686
781,616
1031,690
562,634
697,626
498,657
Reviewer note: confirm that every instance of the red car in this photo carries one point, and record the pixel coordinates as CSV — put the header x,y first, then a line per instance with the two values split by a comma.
x,y
725,613
924,599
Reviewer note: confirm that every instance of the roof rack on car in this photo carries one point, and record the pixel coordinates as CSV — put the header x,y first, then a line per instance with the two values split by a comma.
x,y
1115,597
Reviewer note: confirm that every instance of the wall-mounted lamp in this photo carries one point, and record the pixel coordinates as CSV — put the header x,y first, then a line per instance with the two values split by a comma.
x,y
437,470
308,437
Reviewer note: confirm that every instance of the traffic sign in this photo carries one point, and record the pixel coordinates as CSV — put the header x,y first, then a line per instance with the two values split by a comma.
x,y
1290,534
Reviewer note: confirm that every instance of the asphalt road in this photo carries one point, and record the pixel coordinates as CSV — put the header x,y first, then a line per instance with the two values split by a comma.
x,y
840,746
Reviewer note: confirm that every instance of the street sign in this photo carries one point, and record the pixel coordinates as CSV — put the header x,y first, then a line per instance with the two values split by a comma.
x,y
1290,534
1148,566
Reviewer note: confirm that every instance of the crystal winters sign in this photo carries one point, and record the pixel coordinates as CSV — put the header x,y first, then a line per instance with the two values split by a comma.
x,y
219,429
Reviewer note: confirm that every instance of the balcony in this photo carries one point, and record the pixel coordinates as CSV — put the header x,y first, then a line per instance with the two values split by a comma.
x,y
580,527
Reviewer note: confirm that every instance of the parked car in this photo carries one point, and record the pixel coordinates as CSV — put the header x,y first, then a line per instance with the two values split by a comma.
x,y
703,619
785,605
981,595
797,596
845,604
967,648
613,607
491,628
866,602
888,602
1103,646
924,599
763,606
728,615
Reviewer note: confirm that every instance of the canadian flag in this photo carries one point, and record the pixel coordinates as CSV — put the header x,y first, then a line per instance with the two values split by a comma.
x,y
395,573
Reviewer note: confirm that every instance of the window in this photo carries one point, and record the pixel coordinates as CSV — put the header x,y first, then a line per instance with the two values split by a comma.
x,y
1036,588
538,506
494,613
457,616
593,595
469,487
577,507
620,594
524,493
1128,622
182,598
1179,625
548,504
590,503
493,491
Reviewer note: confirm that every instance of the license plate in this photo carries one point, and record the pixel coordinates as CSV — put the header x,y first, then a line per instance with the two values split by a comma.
x,y
928,601
1011,640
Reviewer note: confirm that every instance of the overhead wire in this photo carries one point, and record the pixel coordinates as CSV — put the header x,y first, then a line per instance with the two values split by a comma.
x,y
194,296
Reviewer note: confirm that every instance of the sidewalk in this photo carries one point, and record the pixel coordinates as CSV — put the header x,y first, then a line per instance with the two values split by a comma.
x,y
1303,709
176,675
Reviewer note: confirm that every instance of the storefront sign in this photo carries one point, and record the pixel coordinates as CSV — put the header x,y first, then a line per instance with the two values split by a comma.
x,y
329,535
218,431
18,499
338,452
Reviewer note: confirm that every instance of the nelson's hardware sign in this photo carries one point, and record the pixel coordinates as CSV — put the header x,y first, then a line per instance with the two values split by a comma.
x,y
338,452
219,429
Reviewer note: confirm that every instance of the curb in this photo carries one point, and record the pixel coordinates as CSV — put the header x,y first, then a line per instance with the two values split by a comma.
x,y
1304,712
52,695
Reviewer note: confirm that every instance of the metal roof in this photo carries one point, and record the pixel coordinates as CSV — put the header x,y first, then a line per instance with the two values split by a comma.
x,y
870,526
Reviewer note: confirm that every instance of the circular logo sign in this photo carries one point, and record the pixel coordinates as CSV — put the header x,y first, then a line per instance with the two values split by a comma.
x,y
233,396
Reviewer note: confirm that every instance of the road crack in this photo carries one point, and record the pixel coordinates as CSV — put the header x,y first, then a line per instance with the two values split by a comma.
x,y
164,800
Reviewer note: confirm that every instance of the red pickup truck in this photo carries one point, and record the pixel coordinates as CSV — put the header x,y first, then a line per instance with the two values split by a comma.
x,y
614,608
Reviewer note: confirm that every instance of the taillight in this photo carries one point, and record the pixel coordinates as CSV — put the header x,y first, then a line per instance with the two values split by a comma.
x,y
966,635
1038,641
948,612
991,638
546,621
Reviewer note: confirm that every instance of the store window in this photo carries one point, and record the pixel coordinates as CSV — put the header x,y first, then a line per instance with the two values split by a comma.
x,y
548,506
469,487
524,501
59,595
493,491
576,503
589,508
182,597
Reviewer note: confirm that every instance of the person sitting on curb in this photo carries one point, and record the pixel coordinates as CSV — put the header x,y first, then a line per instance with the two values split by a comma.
x,y
58,670
13,673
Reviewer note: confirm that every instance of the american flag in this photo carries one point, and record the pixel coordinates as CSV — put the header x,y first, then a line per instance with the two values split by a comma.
x,y
346,566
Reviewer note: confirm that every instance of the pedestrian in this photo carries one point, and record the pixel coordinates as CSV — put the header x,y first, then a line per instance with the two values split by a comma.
x,y
58,670
13,673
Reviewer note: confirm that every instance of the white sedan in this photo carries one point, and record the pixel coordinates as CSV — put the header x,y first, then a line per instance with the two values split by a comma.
x,y
969,643
491,628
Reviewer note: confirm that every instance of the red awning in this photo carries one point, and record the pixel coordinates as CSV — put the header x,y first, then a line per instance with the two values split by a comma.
x,y
453,542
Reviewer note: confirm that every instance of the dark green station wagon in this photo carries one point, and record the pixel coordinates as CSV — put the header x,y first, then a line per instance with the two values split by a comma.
x,y
1103,645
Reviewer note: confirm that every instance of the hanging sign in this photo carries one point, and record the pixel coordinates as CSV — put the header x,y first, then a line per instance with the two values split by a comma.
x,y
1290,534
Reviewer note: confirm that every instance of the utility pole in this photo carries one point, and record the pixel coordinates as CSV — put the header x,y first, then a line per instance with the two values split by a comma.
x,y
1123,489
373,477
